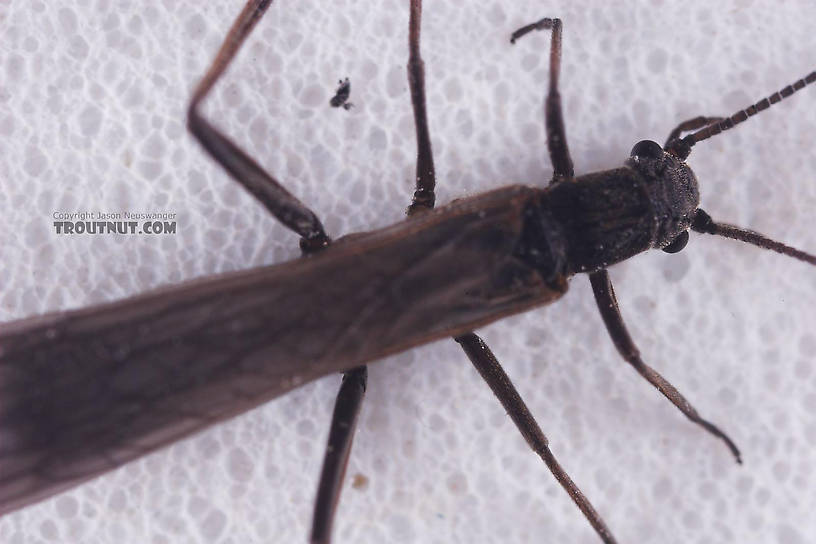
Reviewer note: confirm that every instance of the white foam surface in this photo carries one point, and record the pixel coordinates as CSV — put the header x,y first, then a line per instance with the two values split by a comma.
x,y
92,102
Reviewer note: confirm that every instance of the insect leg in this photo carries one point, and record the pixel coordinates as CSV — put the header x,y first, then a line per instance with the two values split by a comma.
x,y
299,218
610,312
341,434
424,196
691,124
553,118
281,203
492,372
476,349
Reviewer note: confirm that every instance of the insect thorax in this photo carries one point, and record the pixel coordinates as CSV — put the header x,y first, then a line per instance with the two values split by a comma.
x,y
609,216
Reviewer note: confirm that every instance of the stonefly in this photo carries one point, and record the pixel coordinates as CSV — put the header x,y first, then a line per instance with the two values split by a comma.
x,y
85,391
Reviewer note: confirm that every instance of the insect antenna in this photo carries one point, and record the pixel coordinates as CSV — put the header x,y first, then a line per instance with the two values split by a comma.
x,y
681,147
705,224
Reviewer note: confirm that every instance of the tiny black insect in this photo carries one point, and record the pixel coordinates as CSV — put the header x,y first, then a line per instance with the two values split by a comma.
x,y
341,96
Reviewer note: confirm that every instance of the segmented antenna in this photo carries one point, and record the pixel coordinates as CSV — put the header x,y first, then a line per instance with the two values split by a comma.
x,y
705,224
682,147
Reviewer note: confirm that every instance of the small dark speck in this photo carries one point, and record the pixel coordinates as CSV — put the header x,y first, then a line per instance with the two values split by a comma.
x,y
359,481
341,95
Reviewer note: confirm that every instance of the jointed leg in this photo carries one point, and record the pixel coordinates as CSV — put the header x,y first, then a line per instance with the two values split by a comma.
x,y
284,206
300,219
341,434
556,132
424,196
492,372
477,351
610,312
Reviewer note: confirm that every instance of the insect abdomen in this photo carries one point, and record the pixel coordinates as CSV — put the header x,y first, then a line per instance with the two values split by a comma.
x,y
82,392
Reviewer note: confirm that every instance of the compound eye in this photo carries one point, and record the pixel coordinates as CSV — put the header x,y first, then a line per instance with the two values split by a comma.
x,y
647,149
678,243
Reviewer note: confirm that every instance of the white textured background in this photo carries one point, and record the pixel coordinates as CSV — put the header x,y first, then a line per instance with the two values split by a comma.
x,y
92,100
